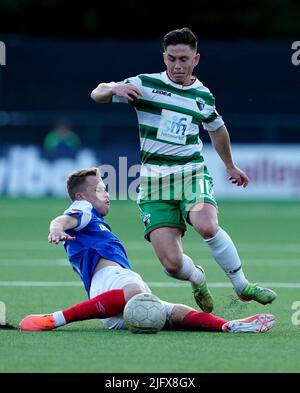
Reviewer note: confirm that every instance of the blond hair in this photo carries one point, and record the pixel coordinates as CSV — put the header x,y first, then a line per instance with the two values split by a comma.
x,y
76,180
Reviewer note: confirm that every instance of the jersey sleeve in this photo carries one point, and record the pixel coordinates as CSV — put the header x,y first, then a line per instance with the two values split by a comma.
x,y
82,211
135,81
214,120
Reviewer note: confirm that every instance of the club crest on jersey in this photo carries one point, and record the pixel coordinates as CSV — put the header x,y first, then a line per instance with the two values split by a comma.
x,y
165,93
146,219
200,103
103,227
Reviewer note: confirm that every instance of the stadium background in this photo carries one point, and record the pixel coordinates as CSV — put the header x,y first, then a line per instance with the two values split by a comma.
x,y
56,53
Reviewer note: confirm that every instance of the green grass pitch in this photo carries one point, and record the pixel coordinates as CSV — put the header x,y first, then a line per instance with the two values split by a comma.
x,y
35,278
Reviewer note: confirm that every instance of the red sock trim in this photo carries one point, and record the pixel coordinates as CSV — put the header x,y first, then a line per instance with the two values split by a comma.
x,y
108,304
195,320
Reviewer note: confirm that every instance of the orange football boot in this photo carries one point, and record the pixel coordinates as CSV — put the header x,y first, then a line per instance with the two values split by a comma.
x,y
37,322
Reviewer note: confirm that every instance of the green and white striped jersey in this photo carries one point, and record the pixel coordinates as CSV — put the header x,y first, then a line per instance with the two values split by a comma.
x,y
169,116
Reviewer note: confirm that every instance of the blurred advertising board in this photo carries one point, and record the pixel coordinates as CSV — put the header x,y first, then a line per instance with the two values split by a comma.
x,y
274,171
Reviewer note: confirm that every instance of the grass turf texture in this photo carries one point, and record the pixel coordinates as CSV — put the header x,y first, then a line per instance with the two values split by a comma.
x,y
266,235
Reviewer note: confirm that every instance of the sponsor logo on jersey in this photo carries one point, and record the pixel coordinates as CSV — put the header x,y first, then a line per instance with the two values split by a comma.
x,y
173,127
165,93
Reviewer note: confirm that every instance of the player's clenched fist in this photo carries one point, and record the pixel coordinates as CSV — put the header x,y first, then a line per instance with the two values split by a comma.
x,y
126,90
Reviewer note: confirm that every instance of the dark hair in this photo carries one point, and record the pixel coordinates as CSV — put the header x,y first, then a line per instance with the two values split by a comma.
x,y
76,180
180,36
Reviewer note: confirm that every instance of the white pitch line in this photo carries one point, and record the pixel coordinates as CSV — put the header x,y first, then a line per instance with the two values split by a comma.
x,y
40,284
224,284
263,212
145,246
263,249
241,247
249,262
34,262
287,285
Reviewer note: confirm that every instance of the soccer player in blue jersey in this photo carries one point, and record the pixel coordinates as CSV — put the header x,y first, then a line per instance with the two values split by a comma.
x,y
100,259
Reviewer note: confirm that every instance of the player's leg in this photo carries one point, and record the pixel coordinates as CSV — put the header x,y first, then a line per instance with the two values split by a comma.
x,y
117,278
105,305
107,300
182,317
200,210
167,245
164,226
203,217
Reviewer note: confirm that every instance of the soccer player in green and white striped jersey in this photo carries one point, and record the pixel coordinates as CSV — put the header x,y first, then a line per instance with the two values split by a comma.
x,y
175,185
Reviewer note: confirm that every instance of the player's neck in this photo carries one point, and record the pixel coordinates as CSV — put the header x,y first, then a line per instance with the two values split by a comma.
x,y
189,82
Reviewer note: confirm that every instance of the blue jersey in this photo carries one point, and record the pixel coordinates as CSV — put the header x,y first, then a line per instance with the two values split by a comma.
x,y
94,240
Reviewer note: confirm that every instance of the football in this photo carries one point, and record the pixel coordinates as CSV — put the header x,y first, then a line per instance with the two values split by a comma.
x,y
144,313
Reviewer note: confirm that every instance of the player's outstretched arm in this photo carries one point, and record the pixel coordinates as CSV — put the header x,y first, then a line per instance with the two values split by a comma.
x,y
104,92
221,142
58,226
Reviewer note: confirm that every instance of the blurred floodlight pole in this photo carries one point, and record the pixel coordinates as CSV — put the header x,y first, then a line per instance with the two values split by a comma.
x,y
2,53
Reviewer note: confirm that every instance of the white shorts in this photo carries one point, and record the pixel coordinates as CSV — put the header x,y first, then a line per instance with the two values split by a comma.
x,y
114,277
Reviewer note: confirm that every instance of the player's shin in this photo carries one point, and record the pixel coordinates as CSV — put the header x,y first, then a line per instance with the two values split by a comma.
x,y
224,252
188,272
105,305
183,317
202,321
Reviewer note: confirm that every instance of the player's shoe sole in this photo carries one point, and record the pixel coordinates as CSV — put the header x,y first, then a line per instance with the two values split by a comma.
x,y
259,323
202,294
37,322
257,293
